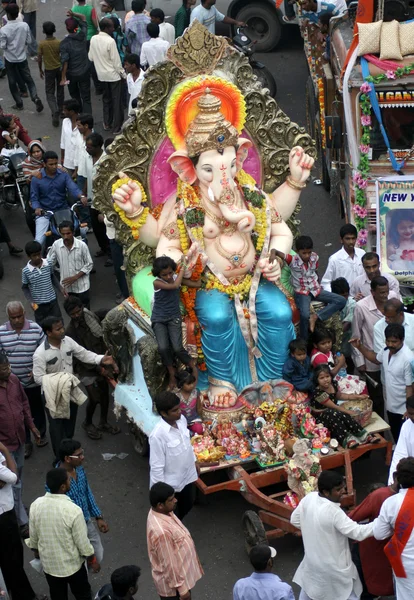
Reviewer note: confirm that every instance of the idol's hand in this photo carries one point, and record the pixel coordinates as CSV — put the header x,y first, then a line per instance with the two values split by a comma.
x,y
270,270
128,197
300,164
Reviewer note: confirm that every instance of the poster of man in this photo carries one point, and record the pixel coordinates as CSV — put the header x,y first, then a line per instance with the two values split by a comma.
x,y
395,227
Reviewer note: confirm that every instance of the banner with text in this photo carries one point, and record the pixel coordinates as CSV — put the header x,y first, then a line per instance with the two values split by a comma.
x,y
395,227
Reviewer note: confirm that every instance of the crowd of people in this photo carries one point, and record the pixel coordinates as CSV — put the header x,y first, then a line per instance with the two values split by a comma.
x,y
48,370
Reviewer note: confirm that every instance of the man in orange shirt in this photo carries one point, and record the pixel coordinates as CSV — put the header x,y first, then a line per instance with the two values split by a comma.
x,y
174,562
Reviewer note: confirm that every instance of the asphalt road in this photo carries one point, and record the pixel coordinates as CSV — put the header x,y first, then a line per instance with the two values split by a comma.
x,y
121,486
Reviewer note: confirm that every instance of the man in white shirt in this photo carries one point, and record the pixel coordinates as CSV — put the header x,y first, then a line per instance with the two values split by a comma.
x,y
347,261
405,445
75,263
11,549
167,31
361,286
153,51
394,313
395,361
55,355
326,531
70,137
396,520
207,14
172,459
135,78
105,56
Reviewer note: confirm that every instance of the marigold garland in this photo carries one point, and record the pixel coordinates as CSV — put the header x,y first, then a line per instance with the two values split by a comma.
x,y
241,287
135,226
188,297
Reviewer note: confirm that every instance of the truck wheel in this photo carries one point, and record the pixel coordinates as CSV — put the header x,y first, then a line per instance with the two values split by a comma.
x,y
254,532
263,25
140,441
266,80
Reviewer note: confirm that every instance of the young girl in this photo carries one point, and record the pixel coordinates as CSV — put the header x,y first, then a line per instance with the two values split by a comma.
x,y
190,401
166,315
322,352
339,421
9,133
400,249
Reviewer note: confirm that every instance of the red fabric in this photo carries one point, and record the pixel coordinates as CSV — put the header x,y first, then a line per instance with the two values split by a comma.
x,y
23,135
14,414
404,526
375,565
365,14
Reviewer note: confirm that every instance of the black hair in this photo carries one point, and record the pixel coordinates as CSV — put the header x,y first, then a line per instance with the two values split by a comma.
x,y
410,402
110,3
394,330
378,281
259,556
158,13
405,472
138,5
297,344
12,11
165,401
370,256
71,24
104,23
48,322
396,217
124,578
340,286
394,304
325,16
67,224
67,447
96,139
320,334
3,358
49,28
50,155
71,104
320,369
71,303
5,121
86,119
55,478
159,493
134,103
115,21
185,376
32,247
375,486
304,242
108,142
348,229
132,59
328,480
161,263
153,30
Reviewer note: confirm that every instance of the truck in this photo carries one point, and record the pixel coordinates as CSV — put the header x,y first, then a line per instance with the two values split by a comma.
x,y
334,107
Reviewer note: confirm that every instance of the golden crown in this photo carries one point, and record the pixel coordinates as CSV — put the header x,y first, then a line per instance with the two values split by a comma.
x,y
209,130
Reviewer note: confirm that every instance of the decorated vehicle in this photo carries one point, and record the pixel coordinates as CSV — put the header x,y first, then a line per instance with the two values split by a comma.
x,y
360,106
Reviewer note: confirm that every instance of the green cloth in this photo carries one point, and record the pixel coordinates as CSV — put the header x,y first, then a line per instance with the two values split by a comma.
x,y
143,289
182,20
87,10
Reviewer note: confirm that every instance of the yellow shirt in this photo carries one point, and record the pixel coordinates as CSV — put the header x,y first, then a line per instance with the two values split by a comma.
x,y
58,532
49,50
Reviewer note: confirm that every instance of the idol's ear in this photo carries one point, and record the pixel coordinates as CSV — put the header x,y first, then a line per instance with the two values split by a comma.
x,y
183,166
243,146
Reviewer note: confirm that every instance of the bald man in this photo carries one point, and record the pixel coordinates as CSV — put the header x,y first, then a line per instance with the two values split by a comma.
x,y
19,339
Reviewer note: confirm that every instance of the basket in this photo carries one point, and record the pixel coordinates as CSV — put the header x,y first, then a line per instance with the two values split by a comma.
x,y
364,410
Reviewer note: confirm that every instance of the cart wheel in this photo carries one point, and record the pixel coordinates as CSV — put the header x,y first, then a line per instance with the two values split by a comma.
x,y
254,532
141,445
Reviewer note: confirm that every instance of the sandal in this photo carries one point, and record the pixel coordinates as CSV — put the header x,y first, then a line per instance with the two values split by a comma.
x,y
92,431
41,443
108,428
352,444
372,439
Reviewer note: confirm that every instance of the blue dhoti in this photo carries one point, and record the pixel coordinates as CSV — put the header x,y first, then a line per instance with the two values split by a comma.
x,y
225,350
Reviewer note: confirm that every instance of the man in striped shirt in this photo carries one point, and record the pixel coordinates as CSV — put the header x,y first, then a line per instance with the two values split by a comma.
x,y
173,557
39,283
19,339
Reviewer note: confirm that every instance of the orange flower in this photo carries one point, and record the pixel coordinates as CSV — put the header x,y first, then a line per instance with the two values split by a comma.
x,y
188,297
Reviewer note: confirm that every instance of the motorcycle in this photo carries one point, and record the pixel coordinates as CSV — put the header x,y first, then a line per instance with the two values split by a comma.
x,y
245,45
57,217
14,188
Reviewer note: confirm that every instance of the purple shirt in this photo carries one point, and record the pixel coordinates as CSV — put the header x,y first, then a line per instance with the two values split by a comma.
x,y
14,414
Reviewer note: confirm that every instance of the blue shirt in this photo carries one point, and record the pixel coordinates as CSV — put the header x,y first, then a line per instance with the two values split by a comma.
x,y
49,193
298,374
262,586
81,494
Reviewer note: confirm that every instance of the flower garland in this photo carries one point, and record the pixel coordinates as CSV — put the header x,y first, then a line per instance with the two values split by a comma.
x,y
241,287
321,98
134,225
188,297
361,176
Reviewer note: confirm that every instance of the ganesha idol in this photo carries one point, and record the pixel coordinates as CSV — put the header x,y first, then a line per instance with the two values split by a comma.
x,y
216,212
